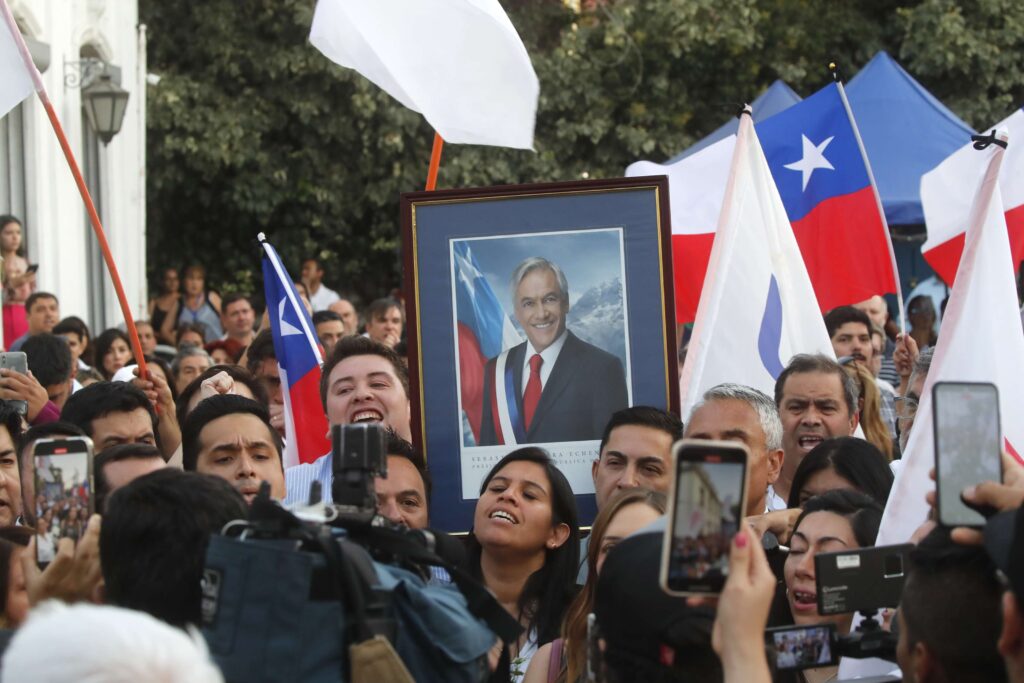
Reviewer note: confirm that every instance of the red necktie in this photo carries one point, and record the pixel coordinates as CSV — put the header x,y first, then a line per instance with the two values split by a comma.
x,y
532,395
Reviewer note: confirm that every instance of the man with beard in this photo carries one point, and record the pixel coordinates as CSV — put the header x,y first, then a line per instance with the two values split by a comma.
x,y
816,401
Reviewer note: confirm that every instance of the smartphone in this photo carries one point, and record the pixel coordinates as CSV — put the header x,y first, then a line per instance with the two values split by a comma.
x,y
862,580
64,491
32,268
17,361
802,647
968,446
708,497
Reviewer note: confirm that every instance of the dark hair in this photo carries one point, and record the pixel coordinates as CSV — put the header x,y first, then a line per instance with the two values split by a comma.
x,y
7,218
158,527
76,326
11,419
862,512
838,317
103,398
380,307
399,447
239,374
36,296
197,327
103,344
49,430
12,539
261,349
214,408
233,298
347,347
124,451
806,363
946,579
193,268
855,460
49,358
314,259
644,416
549,590
321,317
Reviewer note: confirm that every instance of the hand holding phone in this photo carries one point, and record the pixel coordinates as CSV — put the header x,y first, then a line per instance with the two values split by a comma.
x,y
706,506
968,446
63,492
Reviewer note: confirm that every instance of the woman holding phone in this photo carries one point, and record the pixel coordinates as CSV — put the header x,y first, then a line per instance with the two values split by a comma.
x,y
524,546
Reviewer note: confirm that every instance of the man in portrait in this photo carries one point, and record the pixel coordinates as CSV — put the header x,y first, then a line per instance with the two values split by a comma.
x,y
554,386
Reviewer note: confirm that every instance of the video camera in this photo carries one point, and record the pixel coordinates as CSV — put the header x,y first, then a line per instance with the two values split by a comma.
x,y
314,593
865,581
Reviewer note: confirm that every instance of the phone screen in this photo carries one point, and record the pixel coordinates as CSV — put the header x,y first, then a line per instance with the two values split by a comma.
x,y
707,509
63,490
802,647
17,361
968,444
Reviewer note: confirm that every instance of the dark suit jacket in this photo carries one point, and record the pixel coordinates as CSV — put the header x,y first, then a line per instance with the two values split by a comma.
x,y
585,387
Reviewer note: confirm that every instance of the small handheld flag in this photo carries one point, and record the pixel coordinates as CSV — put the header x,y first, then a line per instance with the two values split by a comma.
x,y
298,357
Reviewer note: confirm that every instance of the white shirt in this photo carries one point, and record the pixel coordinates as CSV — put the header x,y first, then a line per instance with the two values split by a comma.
x,y
772,501
549,355
322,298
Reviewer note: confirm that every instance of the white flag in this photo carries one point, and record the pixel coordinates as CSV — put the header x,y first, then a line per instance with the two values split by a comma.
x,y
15,80
460,63
981,341
757,307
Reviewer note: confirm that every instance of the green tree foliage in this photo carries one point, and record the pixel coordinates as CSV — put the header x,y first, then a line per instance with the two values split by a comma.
x,y
252,129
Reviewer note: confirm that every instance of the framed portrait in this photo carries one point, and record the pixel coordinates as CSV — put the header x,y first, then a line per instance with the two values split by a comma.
x,y
535,313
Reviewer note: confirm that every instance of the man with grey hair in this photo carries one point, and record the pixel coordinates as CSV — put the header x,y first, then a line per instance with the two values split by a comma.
x,y
906,405
190,362
817,400
734,412
554,386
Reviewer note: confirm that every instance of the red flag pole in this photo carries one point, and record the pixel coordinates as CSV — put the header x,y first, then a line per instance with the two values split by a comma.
x,y
90,208
435,162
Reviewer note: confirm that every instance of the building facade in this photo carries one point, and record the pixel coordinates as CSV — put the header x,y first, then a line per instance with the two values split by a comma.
x,y
74,42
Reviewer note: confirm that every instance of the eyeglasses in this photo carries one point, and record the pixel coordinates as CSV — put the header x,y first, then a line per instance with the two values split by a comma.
x,y
906,407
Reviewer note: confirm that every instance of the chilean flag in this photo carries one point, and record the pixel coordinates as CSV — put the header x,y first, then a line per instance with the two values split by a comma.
x,y
946,208
298,357
697,185
981,341
825,185
757,307
484,330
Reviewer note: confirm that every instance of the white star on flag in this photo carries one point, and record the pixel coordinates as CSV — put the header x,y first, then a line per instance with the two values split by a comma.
x,y
287,329
814,158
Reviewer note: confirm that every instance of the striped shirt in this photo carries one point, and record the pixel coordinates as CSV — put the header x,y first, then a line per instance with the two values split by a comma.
x,y
300,478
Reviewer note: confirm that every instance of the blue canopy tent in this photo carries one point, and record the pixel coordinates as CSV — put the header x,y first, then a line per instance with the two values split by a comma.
x,y
906,132
777,97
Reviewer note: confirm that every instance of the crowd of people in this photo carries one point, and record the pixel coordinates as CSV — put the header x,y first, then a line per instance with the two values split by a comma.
x,y
185,449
